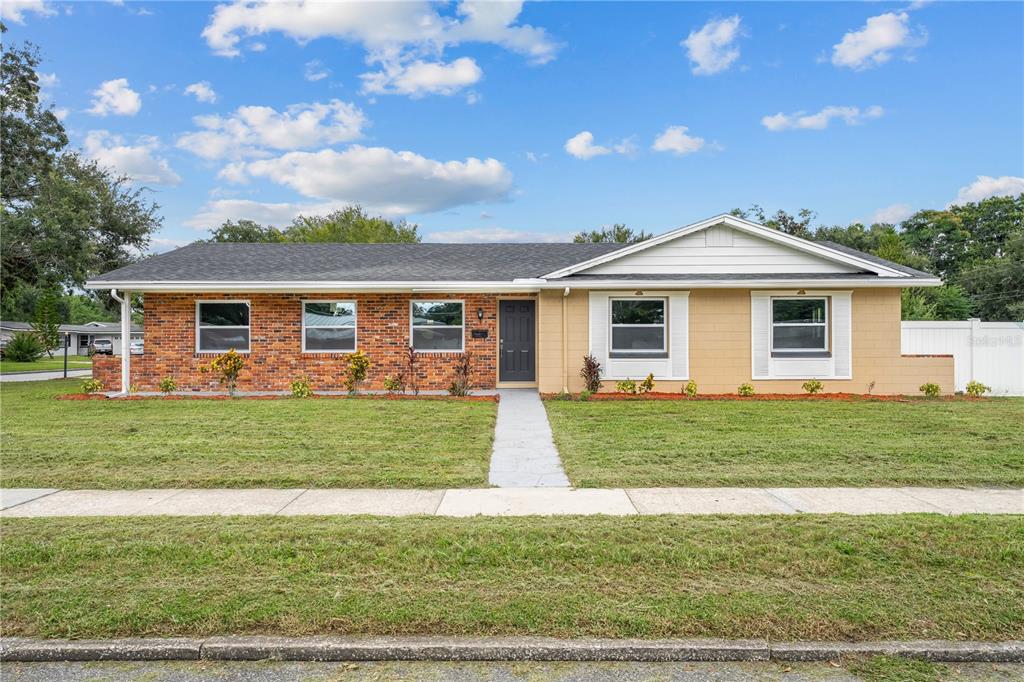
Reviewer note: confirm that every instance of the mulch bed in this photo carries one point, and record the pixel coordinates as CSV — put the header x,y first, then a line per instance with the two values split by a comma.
x,y
101,396
850,397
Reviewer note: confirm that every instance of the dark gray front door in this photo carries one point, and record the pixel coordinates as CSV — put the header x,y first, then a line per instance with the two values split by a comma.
x,y
517,344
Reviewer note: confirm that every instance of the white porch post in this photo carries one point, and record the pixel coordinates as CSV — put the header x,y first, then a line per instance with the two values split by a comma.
x,y
126,337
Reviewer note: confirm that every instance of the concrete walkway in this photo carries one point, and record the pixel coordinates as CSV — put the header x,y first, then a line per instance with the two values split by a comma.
x,y
524,454
23,502
45,375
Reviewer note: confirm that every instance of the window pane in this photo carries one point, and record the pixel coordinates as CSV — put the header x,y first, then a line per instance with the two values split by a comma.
x,y
441,312
799,337
638,312
638,338
330,315
330,339
227,314
213,339
806,311
437,338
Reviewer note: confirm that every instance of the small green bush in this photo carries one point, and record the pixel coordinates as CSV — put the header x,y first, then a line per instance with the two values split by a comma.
x,y
690,388
24,347
92,386
647,385
626,386
355,373
168,385
813,386
462,378
394,383
301,389
562,395
746,389
977,389
585,395
931,390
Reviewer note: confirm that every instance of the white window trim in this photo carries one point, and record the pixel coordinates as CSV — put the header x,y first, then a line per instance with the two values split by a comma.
x,y
233,326
462,337
354,325
774,324
664,325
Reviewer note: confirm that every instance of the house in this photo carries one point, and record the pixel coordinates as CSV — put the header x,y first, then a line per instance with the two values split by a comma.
x,y
723,301
81,335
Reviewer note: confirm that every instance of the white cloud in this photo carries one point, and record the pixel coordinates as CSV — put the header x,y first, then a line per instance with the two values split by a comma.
x,y
115,97
494,235
712,49
385,181
801,120
419,78
252,130
582,146
136,161
15,10
316,71
986,186
873,44
162,244
896,213
48,80
202,91
675,140
213,214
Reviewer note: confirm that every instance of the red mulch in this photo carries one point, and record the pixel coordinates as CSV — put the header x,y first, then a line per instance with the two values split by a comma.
x,y
101,396
762,396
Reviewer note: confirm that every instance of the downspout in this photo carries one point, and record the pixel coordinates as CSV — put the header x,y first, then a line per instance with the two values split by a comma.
x,y
126,338
565,341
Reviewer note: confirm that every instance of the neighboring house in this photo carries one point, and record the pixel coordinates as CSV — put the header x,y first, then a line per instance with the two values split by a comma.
x,y
723,302
82,335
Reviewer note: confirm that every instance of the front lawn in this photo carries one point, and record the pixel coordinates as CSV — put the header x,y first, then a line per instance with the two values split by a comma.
x,y
790,443
240,444
46,363
806,577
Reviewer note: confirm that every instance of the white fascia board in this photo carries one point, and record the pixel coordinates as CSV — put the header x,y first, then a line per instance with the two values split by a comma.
x,y
745,226
312,286
739,283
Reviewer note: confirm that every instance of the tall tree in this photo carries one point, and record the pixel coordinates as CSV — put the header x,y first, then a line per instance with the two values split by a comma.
x,y
798,225
246,231
350,225
616,234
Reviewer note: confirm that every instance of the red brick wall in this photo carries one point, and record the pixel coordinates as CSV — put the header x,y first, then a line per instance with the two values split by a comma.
x,y
276,358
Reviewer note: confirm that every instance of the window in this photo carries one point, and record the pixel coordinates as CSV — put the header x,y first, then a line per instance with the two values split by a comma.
x,y
328,326
437,325
221,326
799,325
638,326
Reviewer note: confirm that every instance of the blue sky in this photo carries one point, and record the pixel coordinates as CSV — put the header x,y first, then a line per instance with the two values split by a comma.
x,y
505,122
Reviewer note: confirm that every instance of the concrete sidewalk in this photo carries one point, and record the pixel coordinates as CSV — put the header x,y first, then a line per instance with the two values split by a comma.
x,y
37,502
524,453
46,375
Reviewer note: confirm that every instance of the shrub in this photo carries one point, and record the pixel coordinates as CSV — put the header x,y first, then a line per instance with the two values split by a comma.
x,y
92,386
647,385
931,390
977,389
562,395
394,383
355,373
133,388
591,373
585,395
301,389
461,382
690,388
168,385
46,324
746,389
813,386
626,386
24,347
410,370
226,366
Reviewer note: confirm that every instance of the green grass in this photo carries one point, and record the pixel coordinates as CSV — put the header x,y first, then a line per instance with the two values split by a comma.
x,y
894,669
46,363
790,443
831,578
240,443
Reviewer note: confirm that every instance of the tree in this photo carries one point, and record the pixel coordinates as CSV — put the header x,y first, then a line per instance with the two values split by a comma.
x,y
996,285
46,325
616,234
798,225
246,231
350,225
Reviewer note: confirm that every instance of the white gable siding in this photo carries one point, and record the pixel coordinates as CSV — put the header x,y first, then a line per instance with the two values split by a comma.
x,y
718,249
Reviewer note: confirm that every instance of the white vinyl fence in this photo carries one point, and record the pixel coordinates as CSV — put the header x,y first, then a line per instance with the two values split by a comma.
x,y
989,352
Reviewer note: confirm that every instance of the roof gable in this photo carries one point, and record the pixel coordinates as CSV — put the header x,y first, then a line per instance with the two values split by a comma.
x,y
726,244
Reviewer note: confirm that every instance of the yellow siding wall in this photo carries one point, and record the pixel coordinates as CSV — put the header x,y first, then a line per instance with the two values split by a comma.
x,y
720,346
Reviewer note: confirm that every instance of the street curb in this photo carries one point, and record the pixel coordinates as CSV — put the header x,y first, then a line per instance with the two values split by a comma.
x,y
255,648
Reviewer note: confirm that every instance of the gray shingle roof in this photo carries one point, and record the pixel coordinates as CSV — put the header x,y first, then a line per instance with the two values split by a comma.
x,y
356,262
101,328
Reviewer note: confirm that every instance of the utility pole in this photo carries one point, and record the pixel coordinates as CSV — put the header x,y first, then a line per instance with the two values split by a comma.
x,y
67,342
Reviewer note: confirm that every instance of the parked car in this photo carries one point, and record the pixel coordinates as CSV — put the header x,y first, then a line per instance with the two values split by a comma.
x,y
137,348
101,347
